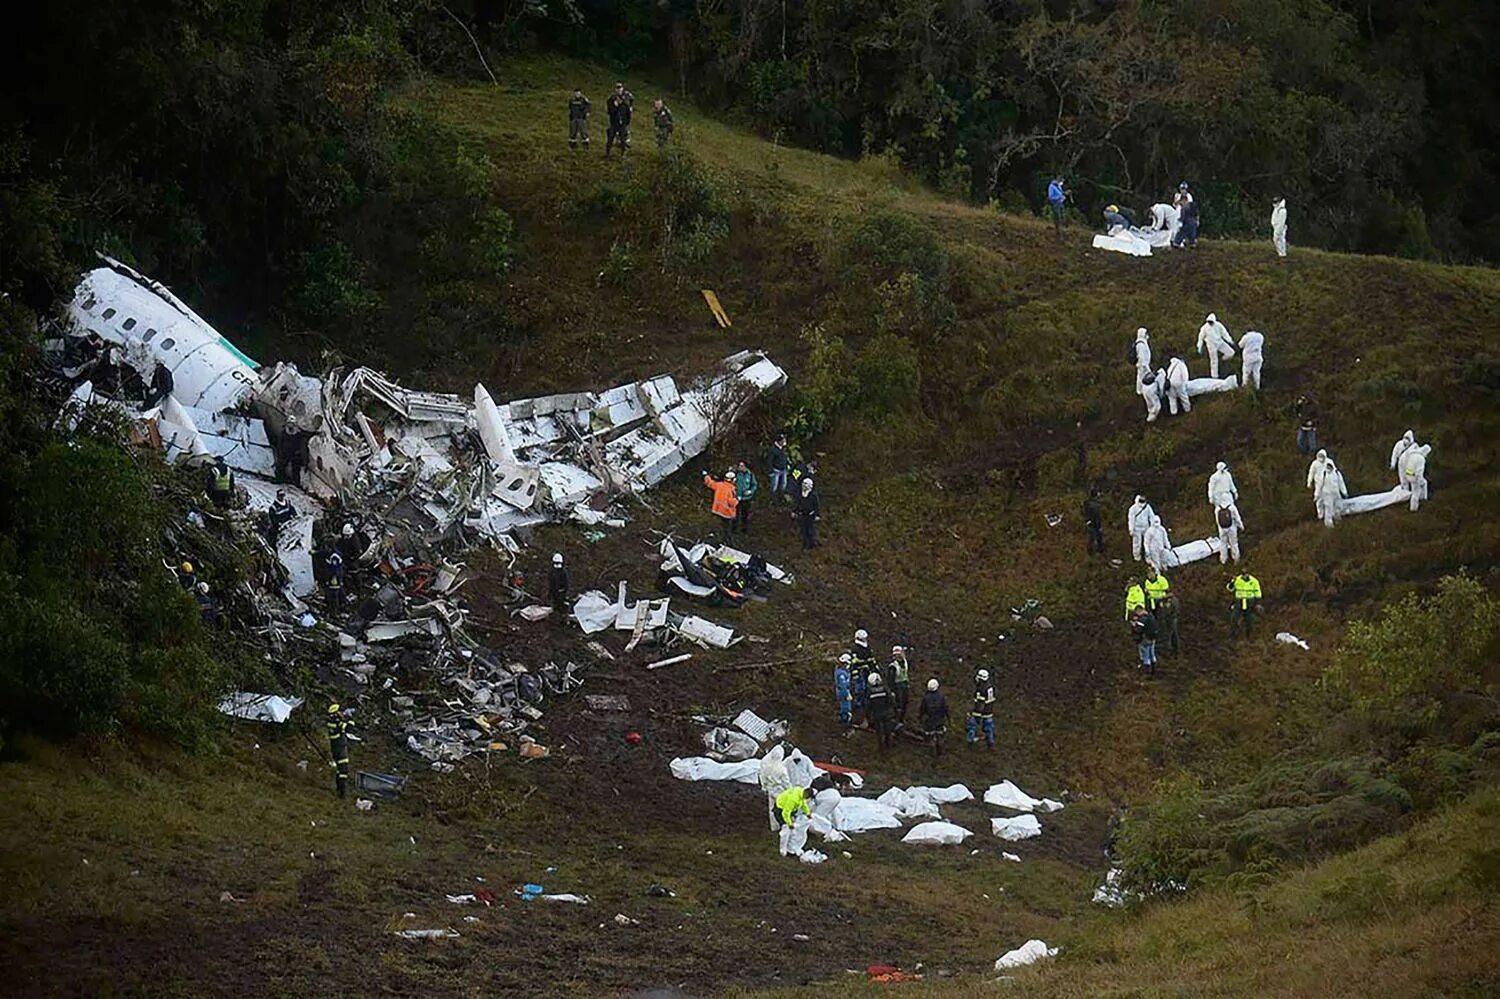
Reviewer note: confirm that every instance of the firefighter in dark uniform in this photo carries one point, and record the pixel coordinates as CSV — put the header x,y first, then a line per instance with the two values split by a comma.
x,y
578,120
620,106
338,745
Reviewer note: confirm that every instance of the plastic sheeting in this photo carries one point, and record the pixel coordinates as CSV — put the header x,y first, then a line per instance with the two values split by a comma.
x,y
703,768
1374,501
1028,953
1007,795
853,815
1203,386
1124,241
910,806
937,834
1020,827
259,707
943,795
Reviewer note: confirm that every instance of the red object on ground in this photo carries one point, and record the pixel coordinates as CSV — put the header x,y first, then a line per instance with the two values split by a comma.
x,y
889,973
634,738
834,768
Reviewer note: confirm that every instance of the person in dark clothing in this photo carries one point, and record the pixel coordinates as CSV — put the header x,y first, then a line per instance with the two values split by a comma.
x,y
663,116
578,120
878,707
620,107
280,514
338,746
1307,425
777,466
809,512
558,585
1093,523
1144,630
898,679
187,578
746,488
290,447
1187,207
1166,622
933,715
208,611
982,711
220,484
333,582
161,387
352,545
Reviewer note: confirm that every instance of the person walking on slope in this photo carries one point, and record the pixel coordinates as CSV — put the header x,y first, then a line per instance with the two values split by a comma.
x,y
982,713
558,586
773,778
620,107
1057,194
1214,339
1414,472
1315,472
1187,234
899,671
338,747
1221,484
1307,425
1158,542
809,512
1278,226
1252,355
878,707
1137,520
1143,629
862,664
1166,622
1135,597
1141,352
1246,590
1176,386
578,120
1408,440
745,490
725,502
1227,518
1331,491
1148,386
843,692
1156,587
1093,523
663,117
933,715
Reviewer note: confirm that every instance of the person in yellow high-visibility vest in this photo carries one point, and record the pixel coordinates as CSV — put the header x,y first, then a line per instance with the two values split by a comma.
x,y
1135,596
1246,590
1156,587
794,807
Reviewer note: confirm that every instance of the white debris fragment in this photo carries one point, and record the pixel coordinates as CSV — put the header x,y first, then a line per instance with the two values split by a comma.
x,y
259,707
937,834
1291,639
1028,953
1007,795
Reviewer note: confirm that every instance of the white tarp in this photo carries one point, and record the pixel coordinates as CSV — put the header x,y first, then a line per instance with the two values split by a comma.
x,y
853,815
937,834
910,806
594,611
1028,953
1020,827
1122,240
943,795
1203,386
1007,795
1374,501
259,707
703,768
1194,551
1290,639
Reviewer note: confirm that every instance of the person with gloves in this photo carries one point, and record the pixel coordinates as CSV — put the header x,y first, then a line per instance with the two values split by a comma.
x,y
1330,492
1221,483
774,779
1158,545
1414,472
933,715
982,712
1408,440
1316,471
1278,226
794,808
1214,340
1176,386
843,692
1252,348
1137,520
1148,385
1227,519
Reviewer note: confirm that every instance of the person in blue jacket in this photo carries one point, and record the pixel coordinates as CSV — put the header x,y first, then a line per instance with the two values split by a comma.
x,y
1057,194
843,693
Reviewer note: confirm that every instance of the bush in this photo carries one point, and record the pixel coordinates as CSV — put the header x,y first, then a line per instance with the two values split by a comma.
x,y
683,204
907,268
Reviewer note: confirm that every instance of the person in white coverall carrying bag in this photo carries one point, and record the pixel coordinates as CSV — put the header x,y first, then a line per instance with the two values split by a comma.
x,y
1315,472
1227,519
1278,226
1414,472
1176,387
1215,340
1137,520
774,779
1408,440
1158,544
1252,347
1330,492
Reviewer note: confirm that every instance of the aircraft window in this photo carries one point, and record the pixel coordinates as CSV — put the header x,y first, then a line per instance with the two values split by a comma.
x,y
130,324
168,343
109,313
150,335
89,303
514,485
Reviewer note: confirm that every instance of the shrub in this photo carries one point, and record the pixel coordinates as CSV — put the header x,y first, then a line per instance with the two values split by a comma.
x,y
907,268
683,204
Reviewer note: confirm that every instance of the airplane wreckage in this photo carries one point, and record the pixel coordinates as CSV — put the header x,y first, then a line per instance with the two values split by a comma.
x,y
425,476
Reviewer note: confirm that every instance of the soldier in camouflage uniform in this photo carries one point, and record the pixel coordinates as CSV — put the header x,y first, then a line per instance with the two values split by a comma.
x,y
663,115
620,106
578,120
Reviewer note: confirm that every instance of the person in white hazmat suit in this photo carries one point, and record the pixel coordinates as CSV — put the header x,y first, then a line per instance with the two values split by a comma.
x,y
1158,545
1408,440
1165,217
1227,519
1252,347
774,779
1278,226
1148,385
1330,491
1176,386
1142,352
1315,472
1221,484
1414,472
1137,520
1215,340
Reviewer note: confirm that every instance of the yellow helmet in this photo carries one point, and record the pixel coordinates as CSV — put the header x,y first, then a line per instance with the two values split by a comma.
x,y
186,567
333,709
1113,208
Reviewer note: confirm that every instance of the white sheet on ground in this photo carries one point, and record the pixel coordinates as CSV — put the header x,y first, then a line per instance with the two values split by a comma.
x,y
706,633
703,768
1008,795
1028,953
1123,241
853,815
937,834
1374,501
1203,386
259,707
910,806
594,611
943,795
1020,827
1291,639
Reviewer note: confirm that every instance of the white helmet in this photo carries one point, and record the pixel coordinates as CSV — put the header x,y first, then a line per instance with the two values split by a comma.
x,y
845,659
932,684
862,636
898,650
348,531
876,680
983,674
557,558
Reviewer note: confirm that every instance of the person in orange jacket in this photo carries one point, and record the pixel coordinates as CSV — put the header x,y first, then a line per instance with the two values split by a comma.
x,y
725,504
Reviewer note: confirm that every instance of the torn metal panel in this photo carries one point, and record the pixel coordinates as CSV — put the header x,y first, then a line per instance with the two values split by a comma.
x,y
706,632
492,430
241,441
259,707
567,485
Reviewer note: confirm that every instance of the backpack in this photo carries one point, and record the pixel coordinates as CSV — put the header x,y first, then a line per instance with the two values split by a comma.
x,y
1130,351
1226,519
1149,378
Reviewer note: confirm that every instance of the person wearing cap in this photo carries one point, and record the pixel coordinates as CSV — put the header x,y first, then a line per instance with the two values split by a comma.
x,y
280,513
899,678
186,577
745,490
558,585
861,662
725,504
982,712
933,714
338,746
843,692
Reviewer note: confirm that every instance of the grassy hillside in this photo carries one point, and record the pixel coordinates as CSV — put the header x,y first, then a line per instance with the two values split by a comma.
x,y
969,372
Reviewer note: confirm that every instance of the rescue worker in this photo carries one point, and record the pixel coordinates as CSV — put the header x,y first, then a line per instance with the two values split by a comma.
x,y
619,106
1316,471
1408,440
1143,629
982,712
1114,219
186,577
161,387
1214,339
1137,520
1141,352
933,714
1156,587
558,586
1176,387
843,692
861,662
777,463
1166,622
878,707
1057,195
1165,218
1307,424
1246,590
278,515
1227,519
290,449
578,120
333,582
1252,355
809,512
745,490
208,611
1187,232
1278,226
1414,472
1135,597
1221,484
338,747
1330,491
804,470
1158,544
1148,387
794,806
774,779
220,484
663,117
351,544
1093,523
899,672
724,502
